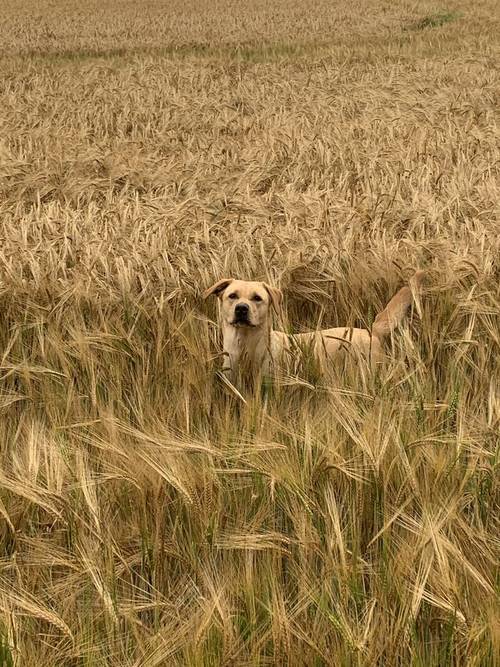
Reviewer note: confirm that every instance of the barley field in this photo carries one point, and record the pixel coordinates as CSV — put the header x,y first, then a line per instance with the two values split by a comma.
x,y
151,515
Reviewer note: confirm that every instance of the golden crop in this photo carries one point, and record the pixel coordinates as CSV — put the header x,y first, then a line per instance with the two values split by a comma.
x,y
151,516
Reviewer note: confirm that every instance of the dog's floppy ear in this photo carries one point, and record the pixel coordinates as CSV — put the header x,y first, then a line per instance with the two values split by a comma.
x,y
275,295
218,288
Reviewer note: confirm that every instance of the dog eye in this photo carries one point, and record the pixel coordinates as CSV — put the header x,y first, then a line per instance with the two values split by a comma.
x,y
256,297
233,295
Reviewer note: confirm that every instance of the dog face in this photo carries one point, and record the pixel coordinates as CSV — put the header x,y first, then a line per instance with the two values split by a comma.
x,y
245,304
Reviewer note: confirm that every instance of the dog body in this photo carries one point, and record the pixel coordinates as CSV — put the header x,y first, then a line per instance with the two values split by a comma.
x,y
250,343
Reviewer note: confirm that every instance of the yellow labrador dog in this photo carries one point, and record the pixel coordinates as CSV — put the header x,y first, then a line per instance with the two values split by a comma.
x,y
251,343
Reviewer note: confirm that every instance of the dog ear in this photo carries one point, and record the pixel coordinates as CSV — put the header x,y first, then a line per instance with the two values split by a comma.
x,y
218,288
275,295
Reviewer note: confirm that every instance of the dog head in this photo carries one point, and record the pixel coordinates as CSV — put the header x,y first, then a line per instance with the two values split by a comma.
x,y
245,304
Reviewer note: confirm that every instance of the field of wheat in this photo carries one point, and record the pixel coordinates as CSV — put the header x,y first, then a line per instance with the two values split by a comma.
x,y
150,515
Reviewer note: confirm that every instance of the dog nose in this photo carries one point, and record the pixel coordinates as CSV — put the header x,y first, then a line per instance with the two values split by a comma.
x,y
241,309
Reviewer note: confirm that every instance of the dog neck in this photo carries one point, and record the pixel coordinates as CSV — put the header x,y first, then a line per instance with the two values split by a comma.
x,y
245,346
